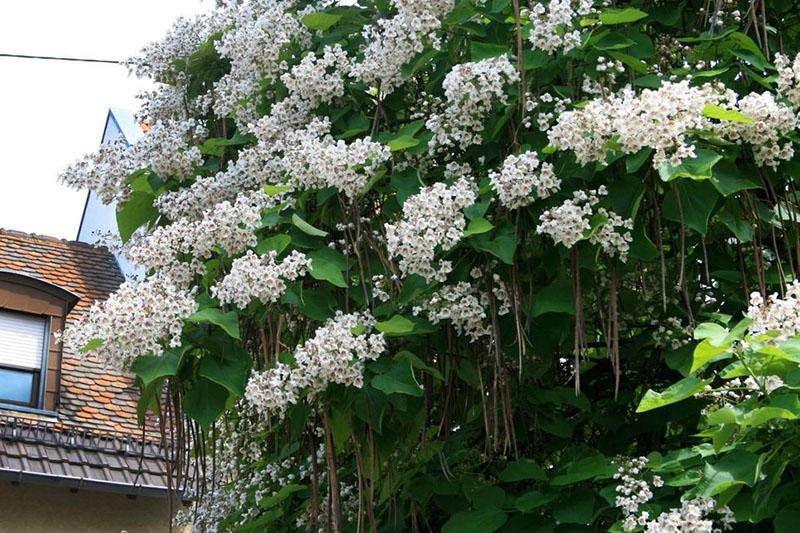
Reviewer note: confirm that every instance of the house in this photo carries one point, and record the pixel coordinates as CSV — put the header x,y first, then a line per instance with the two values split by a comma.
x,y
72,456
99,219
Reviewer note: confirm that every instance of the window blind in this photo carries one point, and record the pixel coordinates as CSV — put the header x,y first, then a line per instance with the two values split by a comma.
x,y
21,340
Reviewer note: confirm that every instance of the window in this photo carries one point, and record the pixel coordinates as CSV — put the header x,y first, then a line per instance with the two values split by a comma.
x,y
22,358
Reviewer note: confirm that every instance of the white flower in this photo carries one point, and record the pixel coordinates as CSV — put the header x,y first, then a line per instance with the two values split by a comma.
x,y
166,149
432,219
336,353
788,77
553,24
781,315
470,90
136,320
520,176
262,278
395,41
465,306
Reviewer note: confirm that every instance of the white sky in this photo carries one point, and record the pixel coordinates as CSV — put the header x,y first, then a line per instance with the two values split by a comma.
x,y
52,112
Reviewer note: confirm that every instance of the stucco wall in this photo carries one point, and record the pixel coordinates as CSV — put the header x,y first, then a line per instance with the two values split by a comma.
x,y
32,508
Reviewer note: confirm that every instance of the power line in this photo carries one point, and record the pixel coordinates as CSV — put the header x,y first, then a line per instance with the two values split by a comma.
x,y
57,58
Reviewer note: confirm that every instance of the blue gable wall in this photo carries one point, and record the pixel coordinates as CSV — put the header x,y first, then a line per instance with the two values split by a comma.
x,y
98,218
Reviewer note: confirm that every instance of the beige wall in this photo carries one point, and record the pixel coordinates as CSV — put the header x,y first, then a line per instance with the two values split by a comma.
x,y
34,508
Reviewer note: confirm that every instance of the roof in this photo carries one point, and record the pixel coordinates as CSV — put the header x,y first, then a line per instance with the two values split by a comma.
x,y
95,440
38,452
92,397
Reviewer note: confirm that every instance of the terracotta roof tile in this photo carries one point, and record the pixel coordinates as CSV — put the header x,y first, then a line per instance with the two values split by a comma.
x,y
92,274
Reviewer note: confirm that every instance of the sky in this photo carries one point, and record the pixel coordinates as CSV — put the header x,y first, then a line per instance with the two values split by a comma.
x,y
53,112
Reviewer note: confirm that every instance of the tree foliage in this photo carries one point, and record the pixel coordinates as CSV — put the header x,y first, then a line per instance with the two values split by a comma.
x,y
542,233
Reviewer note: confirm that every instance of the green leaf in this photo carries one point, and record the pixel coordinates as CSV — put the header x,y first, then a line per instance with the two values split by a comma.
x,y
402,142
685,388
521,470
786,520
284,492
151,367
612,41
730,177
480,521
477,226
737,468
479,50
229,321
92,345
611,16
276,243
227,364
137,210
697,201
320,20
323,269
591,467
711,331
703,353
399,379
697,168
729,115
419,63
205,401
502,246
149,399
533,500
555,298
578,508
275,190
307,228
396,326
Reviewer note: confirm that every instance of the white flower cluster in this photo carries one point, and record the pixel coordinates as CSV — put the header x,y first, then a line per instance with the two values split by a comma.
x,y
243,472
776,314
252,169
157,60
395,41
737,390
660,119
520,176
259,31
166,149
569,223
105,172
470,90
465,305
133,321
670,333
553,25
614,236
788,77
228,225
771,121
165,102
633,490
335,354
432,219
319,80
664,118
692,516
262,278
545,118
312,158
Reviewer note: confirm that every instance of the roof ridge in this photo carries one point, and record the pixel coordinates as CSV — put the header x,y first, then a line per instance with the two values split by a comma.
x,y
48,238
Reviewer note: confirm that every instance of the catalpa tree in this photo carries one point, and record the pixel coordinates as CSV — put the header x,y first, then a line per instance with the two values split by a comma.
x,y
467,266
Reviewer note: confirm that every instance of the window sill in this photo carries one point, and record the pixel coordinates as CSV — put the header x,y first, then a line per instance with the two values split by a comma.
x,y
29,413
